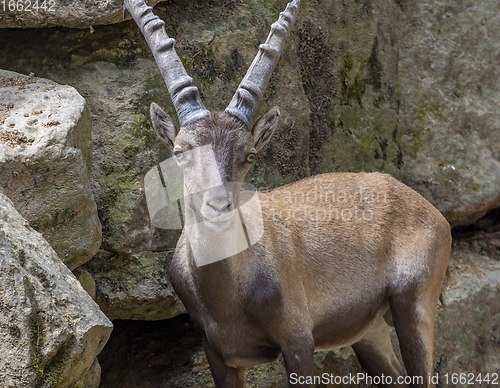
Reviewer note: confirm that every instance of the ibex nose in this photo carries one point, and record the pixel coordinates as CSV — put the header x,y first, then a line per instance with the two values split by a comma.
x,y
219,204
220,199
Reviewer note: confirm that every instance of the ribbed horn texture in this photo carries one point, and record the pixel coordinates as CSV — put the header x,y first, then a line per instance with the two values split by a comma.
x,y
251,89
184,94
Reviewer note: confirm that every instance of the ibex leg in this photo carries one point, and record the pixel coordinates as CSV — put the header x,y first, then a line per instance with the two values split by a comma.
x,y
376,355
298,354
224,376
414,316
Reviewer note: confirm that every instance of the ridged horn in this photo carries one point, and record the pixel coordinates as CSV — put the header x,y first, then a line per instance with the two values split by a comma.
x,y
180,85
251,89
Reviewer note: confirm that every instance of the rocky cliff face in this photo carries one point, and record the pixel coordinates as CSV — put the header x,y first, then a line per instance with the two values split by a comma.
x,y
448,65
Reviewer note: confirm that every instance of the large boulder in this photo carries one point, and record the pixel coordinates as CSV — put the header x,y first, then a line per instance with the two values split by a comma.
x,y
134,286
45,156
448,64
51,329
51,13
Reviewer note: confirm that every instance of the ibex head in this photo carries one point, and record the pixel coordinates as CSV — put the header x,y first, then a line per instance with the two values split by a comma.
x,y
230,134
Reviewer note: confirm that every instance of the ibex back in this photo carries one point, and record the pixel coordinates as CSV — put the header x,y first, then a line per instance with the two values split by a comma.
x,y
342,259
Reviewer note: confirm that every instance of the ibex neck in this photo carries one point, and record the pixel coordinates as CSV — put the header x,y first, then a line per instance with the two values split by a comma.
x,y
219,283
212,242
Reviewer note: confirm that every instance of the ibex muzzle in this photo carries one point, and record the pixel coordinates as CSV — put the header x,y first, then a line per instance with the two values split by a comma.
x,y
341,259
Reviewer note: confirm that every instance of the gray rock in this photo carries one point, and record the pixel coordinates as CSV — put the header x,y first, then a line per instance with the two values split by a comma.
x,y
448,63
86,280
45,155
134,286
125,149
91,379
51,13
51,329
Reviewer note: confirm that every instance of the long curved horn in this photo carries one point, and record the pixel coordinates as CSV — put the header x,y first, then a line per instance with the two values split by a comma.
x,y
184,94
251,89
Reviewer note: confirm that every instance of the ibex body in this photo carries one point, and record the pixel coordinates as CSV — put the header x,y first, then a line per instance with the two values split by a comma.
x,y
342,258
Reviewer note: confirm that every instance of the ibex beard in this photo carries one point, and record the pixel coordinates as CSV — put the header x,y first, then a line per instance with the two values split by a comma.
x,y
304,285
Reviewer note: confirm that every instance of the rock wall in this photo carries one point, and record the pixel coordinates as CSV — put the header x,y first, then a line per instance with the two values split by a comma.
x,y
448,64
134,286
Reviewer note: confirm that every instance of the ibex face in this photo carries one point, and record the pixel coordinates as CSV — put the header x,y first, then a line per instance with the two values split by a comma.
x,y
215,153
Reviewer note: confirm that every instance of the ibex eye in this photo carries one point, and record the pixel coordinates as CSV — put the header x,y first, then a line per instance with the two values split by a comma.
x,y
250,158
178,155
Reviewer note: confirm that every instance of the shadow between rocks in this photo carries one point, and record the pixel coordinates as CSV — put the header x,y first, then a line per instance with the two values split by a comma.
x,y
150,354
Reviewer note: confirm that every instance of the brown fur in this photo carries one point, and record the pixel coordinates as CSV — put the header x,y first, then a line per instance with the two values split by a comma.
x,y
336,266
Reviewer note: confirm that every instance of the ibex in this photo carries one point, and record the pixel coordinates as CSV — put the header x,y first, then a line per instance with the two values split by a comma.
x,y
358,254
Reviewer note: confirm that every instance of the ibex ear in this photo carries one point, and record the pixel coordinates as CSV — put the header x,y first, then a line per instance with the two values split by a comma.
x,y
163,125
264,128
